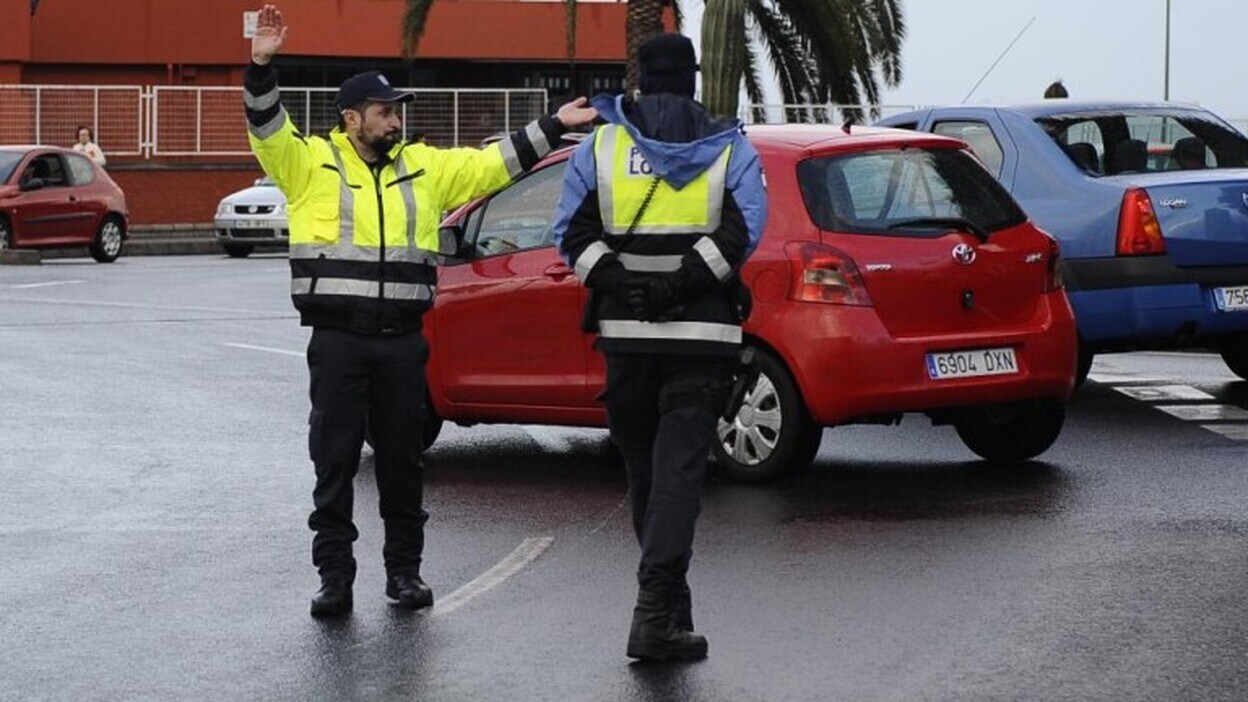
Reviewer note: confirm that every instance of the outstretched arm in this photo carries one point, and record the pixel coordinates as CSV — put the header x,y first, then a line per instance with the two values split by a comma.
x,y
281,150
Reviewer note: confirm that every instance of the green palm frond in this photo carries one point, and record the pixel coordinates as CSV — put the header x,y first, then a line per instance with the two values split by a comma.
x,y
828,51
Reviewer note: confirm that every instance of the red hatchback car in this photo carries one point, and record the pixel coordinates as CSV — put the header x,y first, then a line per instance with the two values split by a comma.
x,y
895,275
52,198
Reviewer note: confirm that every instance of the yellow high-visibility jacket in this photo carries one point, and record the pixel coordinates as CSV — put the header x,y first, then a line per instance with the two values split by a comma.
x,y
364,237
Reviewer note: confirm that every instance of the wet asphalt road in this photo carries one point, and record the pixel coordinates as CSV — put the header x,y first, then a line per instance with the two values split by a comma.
x,y
153,547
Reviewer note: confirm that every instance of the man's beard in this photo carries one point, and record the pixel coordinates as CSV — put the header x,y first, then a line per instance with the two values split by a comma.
x,y
382,144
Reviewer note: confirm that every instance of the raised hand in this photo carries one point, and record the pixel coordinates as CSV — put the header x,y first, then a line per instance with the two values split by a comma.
x,y
575,114
270,34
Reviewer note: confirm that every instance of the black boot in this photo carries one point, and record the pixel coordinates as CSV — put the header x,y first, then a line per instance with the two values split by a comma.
x,y
409,590
682,607
653,636
334,597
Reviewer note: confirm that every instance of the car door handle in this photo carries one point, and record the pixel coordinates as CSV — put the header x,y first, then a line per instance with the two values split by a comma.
x,y
557,271
73,199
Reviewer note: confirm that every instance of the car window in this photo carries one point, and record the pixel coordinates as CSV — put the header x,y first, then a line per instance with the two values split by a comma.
x,y
979,137
873,192
1111,143
80,170
8,162
521,217
47,168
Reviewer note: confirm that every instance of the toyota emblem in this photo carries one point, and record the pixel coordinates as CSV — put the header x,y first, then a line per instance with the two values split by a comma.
x,y
252,209
964,254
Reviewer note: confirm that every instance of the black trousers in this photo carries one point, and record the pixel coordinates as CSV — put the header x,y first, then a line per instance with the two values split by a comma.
x,y
378,381
663,411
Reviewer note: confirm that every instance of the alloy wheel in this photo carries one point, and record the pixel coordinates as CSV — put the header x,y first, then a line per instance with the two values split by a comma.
x,y
752,435
110,238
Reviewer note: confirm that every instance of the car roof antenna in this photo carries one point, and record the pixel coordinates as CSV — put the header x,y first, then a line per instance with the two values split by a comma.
x,y
849,122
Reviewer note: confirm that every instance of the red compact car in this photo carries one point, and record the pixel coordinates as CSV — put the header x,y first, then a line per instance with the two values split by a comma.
x,y
895,275
52,198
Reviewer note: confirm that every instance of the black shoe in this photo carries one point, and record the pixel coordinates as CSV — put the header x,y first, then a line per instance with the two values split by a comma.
x,y
653,637
334,597
682,607
409,590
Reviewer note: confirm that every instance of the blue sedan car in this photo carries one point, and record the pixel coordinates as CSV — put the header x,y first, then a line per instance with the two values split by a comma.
x,y
1149,202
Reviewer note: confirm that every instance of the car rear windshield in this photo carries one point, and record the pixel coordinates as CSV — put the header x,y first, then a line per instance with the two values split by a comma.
x,y
880,192
8,161
1144,141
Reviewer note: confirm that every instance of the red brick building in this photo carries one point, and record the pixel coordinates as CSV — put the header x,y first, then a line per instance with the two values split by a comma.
x,y
467,44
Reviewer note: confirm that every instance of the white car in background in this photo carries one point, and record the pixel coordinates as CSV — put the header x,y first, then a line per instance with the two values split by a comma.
x,y
252,217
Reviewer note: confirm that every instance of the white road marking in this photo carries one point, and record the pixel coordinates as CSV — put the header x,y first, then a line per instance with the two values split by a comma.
x,y
1116,378
550,440
1159,393
1238,432
1204,413
527,552
259,314
265,349
27,286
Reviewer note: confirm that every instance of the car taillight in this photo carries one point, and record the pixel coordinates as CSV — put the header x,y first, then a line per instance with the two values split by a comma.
x,y
1139,232
1053,275
824,274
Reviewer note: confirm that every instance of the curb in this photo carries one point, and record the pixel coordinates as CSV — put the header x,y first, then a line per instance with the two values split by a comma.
x,y
145,240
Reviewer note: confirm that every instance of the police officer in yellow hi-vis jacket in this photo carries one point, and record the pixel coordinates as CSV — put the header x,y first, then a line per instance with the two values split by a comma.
x,y
659,211
364,211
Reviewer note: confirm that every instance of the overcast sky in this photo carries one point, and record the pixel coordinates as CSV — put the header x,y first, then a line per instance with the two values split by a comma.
x,y
1099,48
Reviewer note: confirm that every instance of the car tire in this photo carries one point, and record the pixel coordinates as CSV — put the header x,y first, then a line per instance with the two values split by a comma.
x,y
6,234
1011,432
238,250
1083,364
773,434
1236,357
109,238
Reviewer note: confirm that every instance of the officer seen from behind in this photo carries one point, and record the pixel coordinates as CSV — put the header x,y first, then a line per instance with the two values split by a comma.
x,y
364,211
659,210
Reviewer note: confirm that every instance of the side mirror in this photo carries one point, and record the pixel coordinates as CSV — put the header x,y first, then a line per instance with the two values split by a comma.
x,y
451,244
258,181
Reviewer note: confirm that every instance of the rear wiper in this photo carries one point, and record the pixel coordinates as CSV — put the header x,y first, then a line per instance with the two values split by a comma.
x,y
962,225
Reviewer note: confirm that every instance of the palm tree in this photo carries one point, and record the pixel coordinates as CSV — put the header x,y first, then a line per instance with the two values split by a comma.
x,y
823,51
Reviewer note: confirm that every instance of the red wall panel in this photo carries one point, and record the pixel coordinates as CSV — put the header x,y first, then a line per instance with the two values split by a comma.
x,y
174,196
186,32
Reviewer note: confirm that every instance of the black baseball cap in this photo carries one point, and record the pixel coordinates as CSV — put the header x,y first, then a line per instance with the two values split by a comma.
x,y
371,85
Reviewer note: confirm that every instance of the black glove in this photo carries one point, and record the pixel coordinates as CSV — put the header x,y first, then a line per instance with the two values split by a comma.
x,y
609,278
656,297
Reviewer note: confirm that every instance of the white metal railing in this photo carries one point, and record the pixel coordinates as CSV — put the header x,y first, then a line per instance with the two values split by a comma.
x,y
153,121
204,121
131,120
52,114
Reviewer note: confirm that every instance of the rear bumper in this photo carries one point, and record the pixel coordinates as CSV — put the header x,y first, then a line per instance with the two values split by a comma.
x,y
1154,317
1147,302
848,366
258,231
